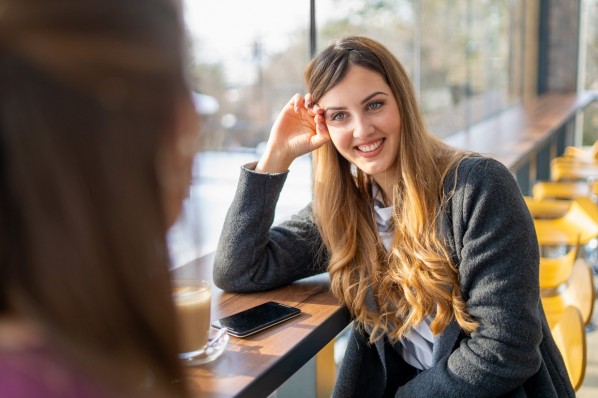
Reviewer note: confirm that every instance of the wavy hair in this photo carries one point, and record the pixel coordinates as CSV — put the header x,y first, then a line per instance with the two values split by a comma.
x,y
416,278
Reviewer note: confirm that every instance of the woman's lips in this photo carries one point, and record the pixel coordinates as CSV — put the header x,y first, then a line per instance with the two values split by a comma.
x,y
371,148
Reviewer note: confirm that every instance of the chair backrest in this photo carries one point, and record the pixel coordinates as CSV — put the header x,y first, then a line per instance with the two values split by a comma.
x,y
578,225
555,271
584,214
585,153
570,337
578,290
546,209
571,169
564,190
581,289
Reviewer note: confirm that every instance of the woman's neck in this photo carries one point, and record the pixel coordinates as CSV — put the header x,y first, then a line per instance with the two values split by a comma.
x,y
386,185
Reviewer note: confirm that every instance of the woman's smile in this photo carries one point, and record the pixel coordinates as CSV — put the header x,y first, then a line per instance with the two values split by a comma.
x,y
369,148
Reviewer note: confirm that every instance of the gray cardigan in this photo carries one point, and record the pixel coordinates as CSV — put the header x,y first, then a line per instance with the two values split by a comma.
x,y
490,233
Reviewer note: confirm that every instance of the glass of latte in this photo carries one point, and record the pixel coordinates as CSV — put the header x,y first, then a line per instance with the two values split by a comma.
x,y
200,343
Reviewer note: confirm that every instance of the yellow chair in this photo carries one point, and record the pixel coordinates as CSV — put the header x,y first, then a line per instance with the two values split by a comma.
x,y
578,291
571,169
546,209
570,337
564,190
556,271
584,153
555,301
578,225
564,284
582,290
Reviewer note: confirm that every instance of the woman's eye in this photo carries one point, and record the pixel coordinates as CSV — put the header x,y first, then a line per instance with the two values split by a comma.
x,y
338,116
374,105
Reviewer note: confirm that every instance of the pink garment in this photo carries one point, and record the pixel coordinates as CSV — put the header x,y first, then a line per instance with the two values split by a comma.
x,y
39,372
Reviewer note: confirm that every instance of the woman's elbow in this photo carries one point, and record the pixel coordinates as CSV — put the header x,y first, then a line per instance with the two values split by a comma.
x,y
225,283
224,278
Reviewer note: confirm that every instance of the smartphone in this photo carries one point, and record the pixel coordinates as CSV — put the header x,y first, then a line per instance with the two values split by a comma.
x,y
258,318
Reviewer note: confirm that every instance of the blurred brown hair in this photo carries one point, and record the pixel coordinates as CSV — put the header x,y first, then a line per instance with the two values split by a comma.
x,y
88,102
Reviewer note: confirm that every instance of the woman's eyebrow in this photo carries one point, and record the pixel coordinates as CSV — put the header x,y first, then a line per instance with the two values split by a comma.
x,y
369,97
366,99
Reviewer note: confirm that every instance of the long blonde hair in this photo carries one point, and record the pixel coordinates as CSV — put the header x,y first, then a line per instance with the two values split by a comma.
x,y
416,278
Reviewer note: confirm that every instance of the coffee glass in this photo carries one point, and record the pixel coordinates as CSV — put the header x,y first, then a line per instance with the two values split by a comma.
x,y
199,344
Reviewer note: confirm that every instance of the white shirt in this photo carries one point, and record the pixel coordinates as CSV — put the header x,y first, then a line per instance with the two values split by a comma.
x,y
416,347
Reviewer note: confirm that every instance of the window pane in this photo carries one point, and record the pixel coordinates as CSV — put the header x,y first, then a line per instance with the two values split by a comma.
x,y
472,61
390,22
445,86
496,38
590,121
591,43
248,56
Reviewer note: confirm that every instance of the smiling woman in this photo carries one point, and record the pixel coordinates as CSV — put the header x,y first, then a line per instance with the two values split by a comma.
x,y
445,298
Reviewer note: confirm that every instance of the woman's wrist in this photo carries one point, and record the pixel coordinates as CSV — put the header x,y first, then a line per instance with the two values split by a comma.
x,y
271,162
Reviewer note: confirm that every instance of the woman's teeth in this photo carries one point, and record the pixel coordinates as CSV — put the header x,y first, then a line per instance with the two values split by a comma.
x,y
370,147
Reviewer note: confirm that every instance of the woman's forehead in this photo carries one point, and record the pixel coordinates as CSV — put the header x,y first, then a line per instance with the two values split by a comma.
x,y
358,84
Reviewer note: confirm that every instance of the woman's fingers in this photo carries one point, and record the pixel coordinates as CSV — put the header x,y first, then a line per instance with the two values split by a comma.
x,y
298,129
322,135
304,106
296,102
304,101
320,121
308,101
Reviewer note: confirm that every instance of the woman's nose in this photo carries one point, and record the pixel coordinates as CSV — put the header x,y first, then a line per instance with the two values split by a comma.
x,y
362,127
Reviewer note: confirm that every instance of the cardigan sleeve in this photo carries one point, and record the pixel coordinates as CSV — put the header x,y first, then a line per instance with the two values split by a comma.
x,y
497,248
254,256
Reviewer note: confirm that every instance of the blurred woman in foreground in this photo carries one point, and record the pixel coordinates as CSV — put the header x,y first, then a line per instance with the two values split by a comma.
x,y
97,135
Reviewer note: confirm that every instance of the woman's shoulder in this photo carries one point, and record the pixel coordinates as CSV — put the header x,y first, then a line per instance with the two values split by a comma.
x,y
479,165
481,179
477,171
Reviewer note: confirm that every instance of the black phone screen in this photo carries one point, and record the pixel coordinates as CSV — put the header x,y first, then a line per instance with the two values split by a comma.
x,y
257,318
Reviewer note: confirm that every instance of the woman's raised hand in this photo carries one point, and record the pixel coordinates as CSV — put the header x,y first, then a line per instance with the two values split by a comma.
x,y
299,129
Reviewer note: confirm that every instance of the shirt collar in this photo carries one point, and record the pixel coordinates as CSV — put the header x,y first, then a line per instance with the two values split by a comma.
x,y
383,214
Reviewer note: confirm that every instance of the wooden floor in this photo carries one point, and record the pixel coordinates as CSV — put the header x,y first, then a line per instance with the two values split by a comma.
x,y
589,388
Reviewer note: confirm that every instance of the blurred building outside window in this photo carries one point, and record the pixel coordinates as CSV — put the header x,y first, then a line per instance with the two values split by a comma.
x,y
590,69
